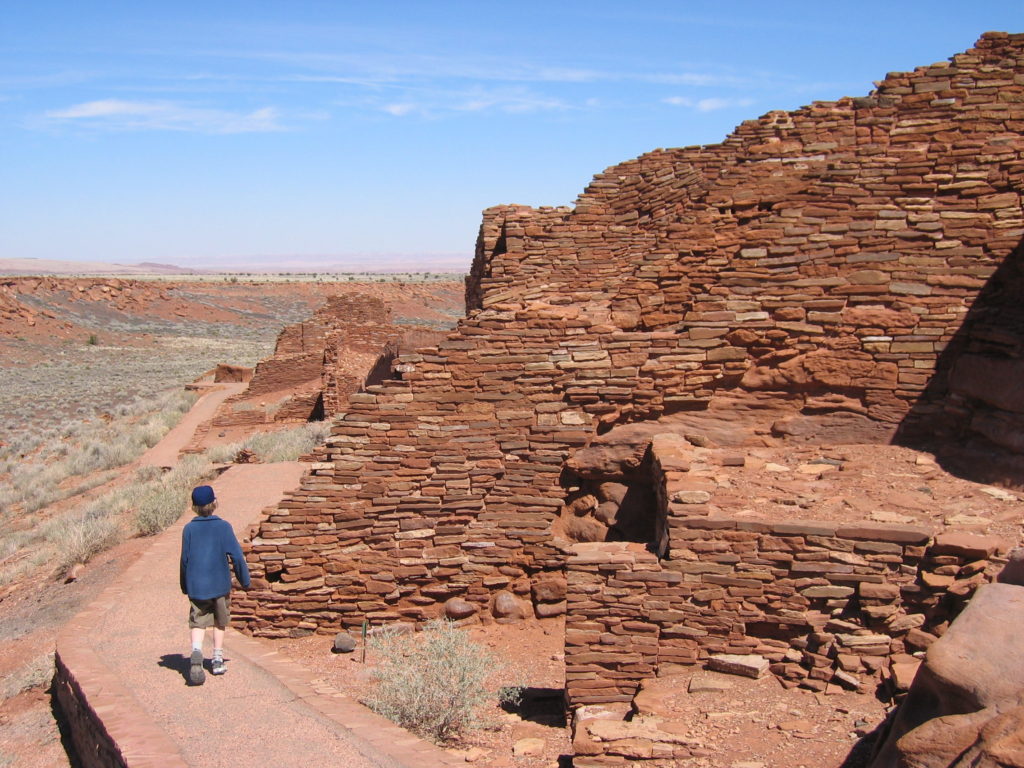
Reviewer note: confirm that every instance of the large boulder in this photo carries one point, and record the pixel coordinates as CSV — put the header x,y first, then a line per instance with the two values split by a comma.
x,y
965,694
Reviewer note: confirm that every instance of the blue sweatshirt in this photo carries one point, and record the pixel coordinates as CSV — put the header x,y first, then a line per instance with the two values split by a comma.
x,y
206,545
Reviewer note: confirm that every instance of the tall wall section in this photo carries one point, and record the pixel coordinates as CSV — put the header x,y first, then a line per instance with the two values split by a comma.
x,y
837,260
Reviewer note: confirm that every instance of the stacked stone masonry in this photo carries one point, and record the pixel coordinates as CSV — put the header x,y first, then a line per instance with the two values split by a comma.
x,y
823,603
317,363
857,261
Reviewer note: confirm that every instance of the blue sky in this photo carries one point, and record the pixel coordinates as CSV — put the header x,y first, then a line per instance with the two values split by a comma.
x,y
309,132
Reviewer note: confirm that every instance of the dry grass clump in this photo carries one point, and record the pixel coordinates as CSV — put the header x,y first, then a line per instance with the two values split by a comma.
x,y
434,682
36,673
80,536
282,445
156,504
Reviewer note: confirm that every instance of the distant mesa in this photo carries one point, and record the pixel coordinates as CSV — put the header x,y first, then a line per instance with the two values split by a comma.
x,y
21,267
256,265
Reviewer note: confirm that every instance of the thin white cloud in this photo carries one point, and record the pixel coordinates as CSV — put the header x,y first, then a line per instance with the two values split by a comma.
x,y
709,104
436,103
378,67
118,114
401,110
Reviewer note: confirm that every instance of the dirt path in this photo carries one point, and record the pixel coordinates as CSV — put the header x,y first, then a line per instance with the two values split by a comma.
x,y
243,718
165,453
129,651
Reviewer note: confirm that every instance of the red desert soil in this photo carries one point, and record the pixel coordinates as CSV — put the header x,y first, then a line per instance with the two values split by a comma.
x,y
39,312
741,722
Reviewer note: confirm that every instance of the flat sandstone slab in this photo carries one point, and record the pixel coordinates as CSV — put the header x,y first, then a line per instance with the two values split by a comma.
x,y
749,665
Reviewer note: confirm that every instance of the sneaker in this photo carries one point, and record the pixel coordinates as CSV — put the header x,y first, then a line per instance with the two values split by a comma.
x,y
196,675
218,667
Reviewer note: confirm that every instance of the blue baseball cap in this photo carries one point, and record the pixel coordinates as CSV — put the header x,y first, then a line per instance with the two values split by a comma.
x,y
203,495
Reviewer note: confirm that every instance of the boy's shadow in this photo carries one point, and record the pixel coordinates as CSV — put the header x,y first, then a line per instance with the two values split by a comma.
x,y
176,662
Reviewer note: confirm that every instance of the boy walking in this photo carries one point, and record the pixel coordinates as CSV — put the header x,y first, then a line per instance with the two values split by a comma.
x,y
206,544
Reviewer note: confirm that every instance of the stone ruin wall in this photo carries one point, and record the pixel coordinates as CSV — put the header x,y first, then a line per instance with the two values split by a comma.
x,y
347,333
771,590
824,602
825,259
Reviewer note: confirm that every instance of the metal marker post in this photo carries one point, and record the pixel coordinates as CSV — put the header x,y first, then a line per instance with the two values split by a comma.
x,y
363,660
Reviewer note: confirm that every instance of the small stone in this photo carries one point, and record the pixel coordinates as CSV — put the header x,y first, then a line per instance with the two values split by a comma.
x,y
918,639
507,607
749,665
903,674
827,592
549,590
999,493
473,754
691,497
853,641
1013,571
936,581
805,726
529,747
344,643
703,683
456,608
548,610
885,516
905,622
960,520
846,680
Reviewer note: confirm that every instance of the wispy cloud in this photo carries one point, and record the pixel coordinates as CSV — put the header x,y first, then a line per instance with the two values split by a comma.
x,y
711,104
436,103
118,114
379,67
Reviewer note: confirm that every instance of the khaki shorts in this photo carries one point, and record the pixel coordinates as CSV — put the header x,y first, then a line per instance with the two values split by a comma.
x,y
209,613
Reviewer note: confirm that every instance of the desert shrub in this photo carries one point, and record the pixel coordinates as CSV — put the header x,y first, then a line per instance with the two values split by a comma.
x,y
160,502
433,682
79,538
288,444
93,481
223,454
282,445
36,673
36,497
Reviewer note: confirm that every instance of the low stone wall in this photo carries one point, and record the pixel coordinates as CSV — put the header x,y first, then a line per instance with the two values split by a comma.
x,y
104,721
815,603
93,745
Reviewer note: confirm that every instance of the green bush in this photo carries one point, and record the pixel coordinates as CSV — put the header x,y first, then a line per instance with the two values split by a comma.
x,y
434,682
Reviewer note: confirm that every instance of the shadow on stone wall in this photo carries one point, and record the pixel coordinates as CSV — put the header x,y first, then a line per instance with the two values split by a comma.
x,y
971,413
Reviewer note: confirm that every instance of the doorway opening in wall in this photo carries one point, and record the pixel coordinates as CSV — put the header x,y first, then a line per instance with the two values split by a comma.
x,y
611,496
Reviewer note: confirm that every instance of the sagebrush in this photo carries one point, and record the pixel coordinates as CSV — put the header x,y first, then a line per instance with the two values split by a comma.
x,y
281,445
434,682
